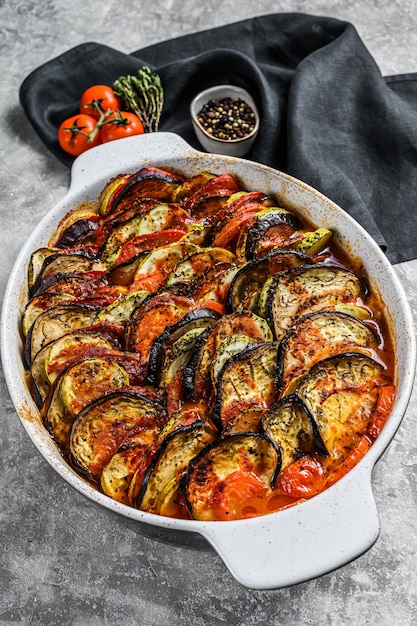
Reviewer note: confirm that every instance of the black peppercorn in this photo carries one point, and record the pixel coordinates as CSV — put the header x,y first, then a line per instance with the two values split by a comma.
x,y
227,119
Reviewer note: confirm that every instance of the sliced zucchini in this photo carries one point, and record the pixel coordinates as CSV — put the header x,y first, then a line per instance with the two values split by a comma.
x,y
161,217
306,289
160,485
78,385
248,281
315,337
229,479
292,427
109,192
191,186
341,392
119,235
110,422
58,354
56,322
246,380
197,263
314,242
120,311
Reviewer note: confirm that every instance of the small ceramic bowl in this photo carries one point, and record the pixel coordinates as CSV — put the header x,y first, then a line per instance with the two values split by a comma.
x,y
229,147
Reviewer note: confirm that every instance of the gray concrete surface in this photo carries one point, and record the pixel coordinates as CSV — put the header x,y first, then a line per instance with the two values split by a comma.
x,y
64,560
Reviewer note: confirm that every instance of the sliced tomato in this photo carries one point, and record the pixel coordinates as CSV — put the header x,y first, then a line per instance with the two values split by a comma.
x,y
384,405
303,478
232,229
145,243
240,495
358,453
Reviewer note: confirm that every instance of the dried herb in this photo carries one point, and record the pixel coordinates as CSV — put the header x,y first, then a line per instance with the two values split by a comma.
x,y
142,94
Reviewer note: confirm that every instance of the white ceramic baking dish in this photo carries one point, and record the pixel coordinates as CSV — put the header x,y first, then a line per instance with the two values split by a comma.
x,y
282,548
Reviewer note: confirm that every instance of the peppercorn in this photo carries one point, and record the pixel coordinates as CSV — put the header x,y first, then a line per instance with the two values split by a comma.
x,y
227,119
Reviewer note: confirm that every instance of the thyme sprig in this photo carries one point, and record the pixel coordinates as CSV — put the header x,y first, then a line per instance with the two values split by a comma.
x,y
142,94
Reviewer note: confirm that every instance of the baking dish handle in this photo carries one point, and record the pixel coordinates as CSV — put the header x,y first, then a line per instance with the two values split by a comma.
x,y
304,541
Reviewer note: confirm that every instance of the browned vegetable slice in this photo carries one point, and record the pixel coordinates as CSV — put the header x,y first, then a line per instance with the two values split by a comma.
x,y
292,427
315,337
341,392
250,278
56,322
159,489
306,289
197,374
39,304
197,318
246,380
60,263
107,424
57,355
229,477
78,385
129,461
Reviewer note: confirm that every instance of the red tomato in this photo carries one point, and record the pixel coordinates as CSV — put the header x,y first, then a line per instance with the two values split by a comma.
x,y
77,134
120,125
305,477
98,99
241,496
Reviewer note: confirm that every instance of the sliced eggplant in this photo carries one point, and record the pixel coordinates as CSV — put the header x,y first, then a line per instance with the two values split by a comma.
x,y
292,427
196,319
228,348
306,289
248,281
197,373
129,461
39,304
246,380
159,489
59,264
148,182
315,337
272,227
36,261
74,285
341,392
56,322
230,478
78,385
175,357
60,353
110,422
208,200
191,186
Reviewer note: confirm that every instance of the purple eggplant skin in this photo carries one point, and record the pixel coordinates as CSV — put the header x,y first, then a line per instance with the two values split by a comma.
x,y
193,319
201,433
79,261
307,437
143,174
77,232
261,226
258,270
